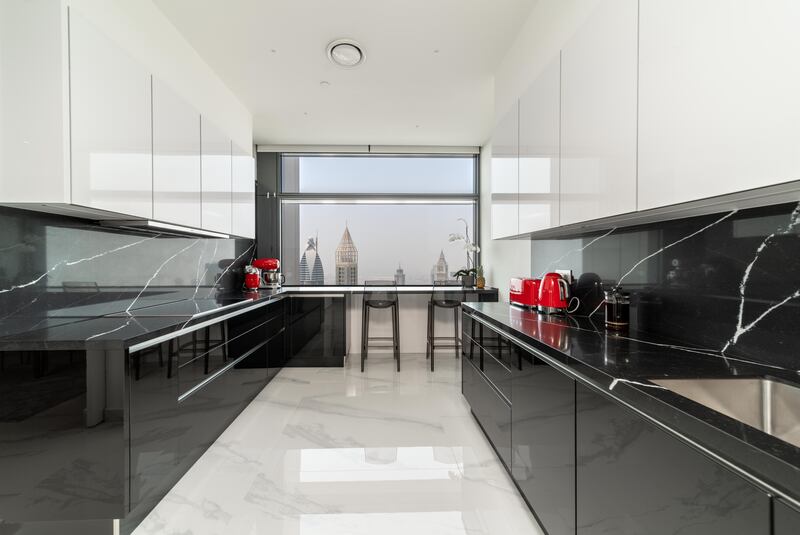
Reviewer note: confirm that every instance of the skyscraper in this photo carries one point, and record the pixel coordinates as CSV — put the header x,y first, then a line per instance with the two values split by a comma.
x,y
440,272
399,276
346,260
311,271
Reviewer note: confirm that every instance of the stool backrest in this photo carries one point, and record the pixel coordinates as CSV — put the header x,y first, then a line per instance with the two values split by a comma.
x,y
447,291
380,290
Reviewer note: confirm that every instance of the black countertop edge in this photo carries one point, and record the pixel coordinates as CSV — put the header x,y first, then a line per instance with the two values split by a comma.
x,y
402,290
120,331
115,330
620,367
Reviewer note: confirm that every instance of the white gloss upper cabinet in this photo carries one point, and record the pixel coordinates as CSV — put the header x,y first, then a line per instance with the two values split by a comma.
x,y
719,104
176,158
34,110
538,152
505,176
110,107
244,194
216,178
598,114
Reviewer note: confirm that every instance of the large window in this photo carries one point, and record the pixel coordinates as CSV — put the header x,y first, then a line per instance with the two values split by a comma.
x,y
347,219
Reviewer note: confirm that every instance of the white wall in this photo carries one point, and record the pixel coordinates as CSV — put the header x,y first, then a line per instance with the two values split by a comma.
x,y
145,33
413,327
501,259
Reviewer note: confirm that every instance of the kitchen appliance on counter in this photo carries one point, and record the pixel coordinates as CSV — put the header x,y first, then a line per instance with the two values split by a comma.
x,y
271,276
617,308
524,292
252,278
554,294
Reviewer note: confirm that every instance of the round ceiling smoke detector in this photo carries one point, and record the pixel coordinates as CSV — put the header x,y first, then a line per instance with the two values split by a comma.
x,y
346,53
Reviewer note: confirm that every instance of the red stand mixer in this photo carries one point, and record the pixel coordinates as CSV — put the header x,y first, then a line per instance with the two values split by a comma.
x,y
270,269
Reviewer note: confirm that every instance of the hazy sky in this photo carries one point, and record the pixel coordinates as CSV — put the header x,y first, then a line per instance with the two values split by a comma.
x,y
321,174
385,235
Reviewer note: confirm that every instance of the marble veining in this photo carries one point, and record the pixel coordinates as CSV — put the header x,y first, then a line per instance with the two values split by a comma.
x,y
624,367
630,382
724,284
794,219
661,250
332,451
72,263
59,267
557,262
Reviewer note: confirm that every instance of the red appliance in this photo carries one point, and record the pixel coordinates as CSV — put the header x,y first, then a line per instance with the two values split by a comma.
x,y
553,294
252,277
271,276
524,291
269,264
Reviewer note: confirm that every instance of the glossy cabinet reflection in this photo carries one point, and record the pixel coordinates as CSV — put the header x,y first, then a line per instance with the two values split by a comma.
x,y
111,126
185,392
786,518
491,410
634,478
217,168
486,382
539,152
718,112
598,115
176,158
62,444
505,176
543,441
316,327
243,217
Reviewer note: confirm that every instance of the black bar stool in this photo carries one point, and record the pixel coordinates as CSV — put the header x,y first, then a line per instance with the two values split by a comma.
x,y
380,294
443,295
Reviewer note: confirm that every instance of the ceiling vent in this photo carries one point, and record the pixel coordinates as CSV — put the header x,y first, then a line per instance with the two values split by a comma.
x,y
346,53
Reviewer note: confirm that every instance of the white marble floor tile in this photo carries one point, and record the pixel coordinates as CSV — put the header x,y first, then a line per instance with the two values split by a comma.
x,y
330,451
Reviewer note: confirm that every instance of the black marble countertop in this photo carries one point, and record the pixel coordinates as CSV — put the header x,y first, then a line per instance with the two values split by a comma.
x,y
422,289
121,318
111,327
622,365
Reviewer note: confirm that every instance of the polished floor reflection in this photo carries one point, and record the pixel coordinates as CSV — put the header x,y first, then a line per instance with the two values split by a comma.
x,y
332,451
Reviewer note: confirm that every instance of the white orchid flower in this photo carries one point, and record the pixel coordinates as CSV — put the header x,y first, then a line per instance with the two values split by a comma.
x,y
456,237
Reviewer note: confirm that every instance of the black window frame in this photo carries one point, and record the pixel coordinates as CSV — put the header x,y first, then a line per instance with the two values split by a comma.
x,y
343,198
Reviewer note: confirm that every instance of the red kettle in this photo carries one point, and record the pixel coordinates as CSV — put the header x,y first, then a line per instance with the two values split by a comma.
x,y
553,294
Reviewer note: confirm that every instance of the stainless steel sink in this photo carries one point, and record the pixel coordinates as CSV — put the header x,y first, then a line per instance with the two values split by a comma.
x,y
768,405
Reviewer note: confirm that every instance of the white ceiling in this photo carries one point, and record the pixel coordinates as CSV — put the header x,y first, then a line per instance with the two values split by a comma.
x,y
271,53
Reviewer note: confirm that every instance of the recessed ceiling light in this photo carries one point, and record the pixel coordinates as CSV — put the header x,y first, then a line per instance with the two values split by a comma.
x,y
324,83
346,53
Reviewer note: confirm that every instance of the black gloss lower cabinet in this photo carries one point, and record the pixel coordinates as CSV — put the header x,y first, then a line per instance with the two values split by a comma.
x,y
490,409
316,330
184,395
543,441
62,472
634,478
786,519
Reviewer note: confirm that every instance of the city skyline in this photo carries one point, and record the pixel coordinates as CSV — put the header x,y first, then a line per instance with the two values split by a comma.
x,y
346,267
410,235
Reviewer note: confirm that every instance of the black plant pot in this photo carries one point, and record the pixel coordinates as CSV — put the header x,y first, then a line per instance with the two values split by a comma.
x,y
468,281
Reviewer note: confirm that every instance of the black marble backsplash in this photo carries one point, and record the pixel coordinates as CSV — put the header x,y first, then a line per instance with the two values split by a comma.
x,y
727,283
55,268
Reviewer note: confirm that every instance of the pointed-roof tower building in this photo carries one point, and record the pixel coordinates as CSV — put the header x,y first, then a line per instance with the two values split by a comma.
x,y
440,271
311,271
346,260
